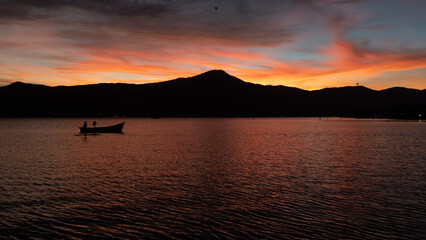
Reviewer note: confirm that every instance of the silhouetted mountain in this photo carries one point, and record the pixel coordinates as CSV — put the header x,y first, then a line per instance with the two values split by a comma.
x,y
211,94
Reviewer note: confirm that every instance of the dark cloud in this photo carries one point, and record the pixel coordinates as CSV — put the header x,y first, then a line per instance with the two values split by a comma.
x,y
23,8
245,22
249,22
126,8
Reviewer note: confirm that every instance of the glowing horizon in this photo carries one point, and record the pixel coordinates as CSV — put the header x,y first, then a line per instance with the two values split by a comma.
x,y
305,44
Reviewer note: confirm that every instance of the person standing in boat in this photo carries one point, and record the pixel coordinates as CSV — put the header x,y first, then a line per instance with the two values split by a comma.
x,y
85,128
94,123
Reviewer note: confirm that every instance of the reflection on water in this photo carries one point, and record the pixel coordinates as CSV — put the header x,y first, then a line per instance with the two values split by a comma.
x,y
213,178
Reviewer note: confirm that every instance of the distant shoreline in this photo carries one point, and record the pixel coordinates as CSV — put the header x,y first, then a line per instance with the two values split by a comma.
x,y
345,119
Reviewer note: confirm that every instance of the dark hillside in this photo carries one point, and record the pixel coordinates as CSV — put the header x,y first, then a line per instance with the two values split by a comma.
x,y
211,94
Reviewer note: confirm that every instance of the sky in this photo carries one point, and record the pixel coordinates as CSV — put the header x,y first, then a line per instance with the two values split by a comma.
x,y
309,44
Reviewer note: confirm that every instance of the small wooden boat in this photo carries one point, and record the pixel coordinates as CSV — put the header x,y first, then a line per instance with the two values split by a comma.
x,y
110,129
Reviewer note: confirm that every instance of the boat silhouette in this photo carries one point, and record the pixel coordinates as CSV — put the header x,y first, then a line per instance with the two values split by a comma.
x,y
109,129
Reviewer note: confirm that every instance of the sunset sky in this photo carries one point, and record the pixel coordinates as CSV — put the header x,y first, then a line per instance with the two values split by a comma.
x,y
310,44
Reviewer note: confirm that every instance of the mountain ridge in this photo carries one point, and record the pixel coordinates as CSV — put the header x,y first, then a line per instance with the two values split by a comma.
x,y
215,72
211,94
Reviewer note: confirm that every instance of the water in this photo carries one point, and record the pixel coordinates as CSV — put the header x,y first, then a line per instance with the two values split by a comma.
x,y
213,178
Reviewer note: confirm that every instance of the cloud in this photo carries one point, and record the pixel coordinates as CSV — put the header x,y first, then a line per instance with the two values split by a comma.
x,y
240,21
305,43
20,8
359,54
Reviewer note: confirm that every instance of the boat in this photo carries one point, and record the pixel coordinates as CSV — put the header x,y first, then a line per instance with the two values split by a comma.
x,y
110,129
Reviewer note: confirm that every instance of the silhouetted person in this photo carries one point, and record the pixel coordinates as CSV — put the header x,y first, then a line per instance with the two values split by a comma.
x,y
94,123
85,128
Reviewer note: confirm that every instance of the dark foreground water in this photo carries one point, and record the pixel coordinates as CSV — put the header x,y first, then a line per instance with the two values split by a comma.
x,y
213,178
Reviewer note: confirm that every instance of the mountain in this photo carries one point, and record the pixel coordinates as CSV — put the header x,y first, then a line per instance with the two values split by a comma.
x,y
211,94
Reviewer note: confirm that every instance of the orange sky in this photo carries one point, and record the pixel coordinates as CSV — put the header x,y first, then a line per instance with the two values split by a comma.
x,y
305,44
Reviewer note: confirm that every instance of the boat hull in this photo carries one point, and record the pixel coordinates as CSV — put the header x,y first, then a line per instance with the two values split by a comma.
x,y
110,129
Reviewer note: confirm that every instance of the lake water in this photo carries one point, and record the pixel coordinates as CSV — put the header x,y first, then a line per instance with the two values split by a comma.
x,y
213,178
